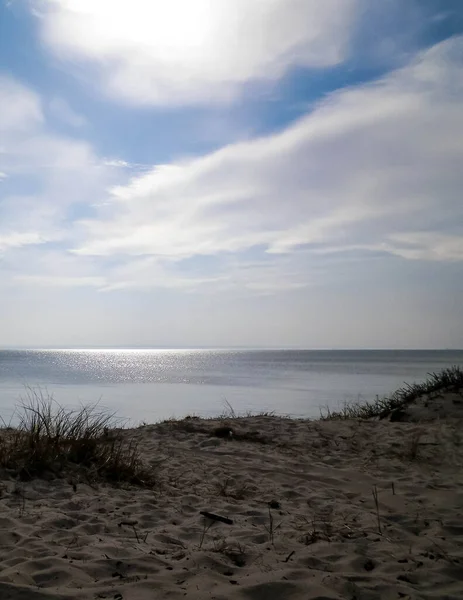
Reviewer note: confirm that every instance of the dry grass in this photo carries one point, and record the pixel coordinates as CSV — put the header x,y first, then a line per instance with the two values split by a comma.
x,y
230,489
228,429
412,445
51,440
448,380
233,550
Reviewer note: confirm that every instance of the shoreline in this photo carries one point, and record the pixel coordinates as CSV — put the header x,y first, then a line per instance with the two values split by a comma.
x,y
331,509
150,389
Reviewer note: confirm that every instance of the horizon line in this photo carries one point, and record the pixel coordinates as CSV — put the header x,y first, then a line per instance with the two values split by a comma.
x,y
249,348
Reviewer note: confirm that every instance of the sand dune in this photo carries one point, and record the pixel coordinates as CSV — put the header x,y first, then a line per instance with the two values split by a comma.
x,y
300,494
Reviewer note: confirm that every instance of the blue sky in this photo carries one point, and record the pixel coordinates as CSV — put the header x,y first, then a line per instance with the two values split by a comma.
x,y
231,172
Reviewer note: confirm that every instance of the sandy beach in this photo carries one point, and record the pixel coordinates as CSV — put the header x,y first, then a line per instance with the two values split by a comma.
x,y
345,509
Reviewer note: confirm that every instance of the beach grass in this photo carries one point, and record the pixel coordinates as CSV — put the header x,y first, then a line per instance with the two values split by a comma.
x,y
85,444
90,444
445,381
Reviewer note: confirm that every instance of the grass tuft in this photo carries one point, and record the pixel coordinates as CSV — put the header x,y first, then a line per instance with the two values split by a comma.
x,y
448,380
53,440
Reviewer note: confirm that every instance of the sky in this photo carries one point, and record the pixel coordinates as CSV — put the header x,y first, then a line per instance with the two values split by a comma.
x,y
264,173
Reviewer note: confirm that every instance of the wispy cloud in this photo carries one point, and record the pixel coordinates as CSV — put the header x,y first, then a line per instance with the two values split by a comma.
x,y
50,180
20,108
176,52
428,245
61,109
60,281
373,168
117,163
19,239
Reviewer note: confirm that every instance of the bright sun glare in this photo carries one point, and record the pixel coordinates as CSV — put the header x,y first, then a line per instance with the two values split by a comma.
x,y
165,26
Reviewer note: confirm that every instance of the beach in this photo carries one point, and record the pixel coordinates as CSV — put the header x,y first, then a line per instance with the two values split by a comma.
x,y
326,509
231,317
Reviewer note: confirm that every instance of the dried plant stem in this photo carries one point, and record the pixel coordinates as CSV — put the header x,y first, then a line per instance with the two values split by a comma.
x,y
206,526
375,498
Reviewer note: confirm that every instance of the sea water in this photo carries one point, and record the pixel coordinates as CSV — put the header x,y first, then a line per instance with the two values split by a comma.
x,y
153,384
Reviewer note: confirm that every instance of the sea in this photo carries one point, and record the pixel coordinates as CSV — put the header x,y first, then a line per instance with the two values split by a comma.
x,y
148,385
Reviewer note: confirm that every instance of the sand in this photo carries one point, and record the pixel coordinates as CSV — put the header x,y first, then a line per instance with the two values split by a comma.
x,y
322,538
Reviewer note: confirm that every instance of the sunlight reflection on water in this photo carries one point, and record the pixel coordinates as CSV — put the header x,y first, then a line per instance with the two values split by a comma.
x,y
154,384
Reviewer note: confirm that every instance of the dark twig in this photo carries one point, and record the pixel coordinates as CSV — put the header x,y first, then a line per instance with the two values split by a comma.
x,y
214,517
375,498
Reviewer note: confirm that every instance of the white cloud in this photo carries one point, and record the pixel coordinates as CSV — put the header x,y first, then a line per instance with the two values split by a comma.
x,y
51,178
59,108
432,245
20,108
372,168
183,51
60,281
17,240
114,162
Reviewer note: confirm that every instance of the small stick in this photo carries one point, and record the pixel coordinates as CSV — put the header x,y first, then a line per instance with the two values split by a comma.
x,y
289,555
270,529
214,517
393,488
375,497
136,534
